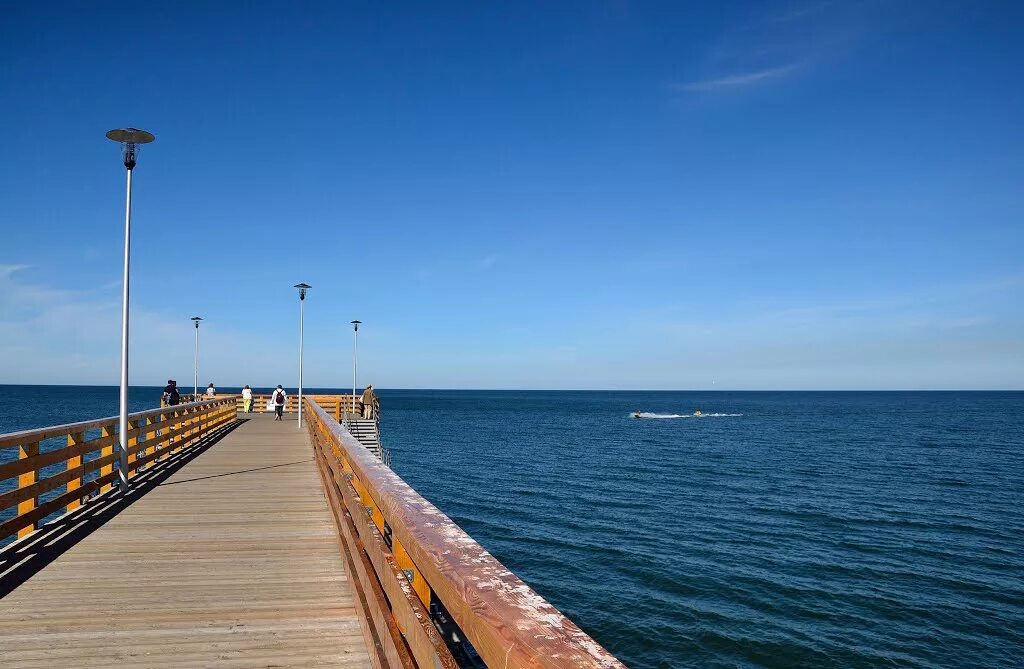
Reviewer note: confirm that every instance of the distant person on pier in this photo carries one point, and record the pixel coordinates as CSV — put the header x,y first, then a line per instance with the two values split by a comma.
x,y
210,390
171,396
247,399
367,401
280,397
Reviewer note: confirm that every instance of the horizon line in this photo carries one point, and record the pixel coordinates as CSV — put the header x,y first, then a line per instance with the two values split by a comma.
x,y
579,390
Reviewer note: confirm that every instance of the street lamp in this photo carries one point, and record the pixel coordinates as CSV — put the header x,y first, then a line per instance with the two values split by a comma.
x,y
355,349
195,388
303,287
129,139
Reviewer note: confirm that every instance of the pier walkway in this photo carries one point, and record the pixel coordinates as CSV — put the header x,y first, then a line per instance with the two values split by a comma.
x,y
232,560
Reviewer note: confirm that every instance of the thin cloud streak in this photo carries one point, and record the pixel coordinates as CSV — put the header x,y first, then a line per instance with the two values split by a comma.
x,y
736,81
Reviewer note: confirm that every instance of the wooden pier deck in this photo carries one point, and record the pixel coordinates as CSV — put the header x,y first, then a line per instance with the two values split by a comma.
x,y
232,561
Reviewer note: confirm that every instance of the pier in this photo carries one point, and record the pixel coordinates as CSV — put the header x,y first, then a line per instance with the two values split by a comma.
x,y
244,541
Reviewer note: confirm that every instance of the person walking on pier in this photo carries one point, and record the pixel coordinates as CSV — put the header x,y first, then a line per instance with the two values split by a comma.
x,y
247,399
279,399
171,396
210,391
367,401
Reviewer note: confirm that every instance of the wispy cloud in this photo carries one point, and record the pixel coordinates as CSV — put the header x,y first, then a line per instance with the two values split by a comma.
x,y
7,270
734,81
57,335
488,261
801,12
767,48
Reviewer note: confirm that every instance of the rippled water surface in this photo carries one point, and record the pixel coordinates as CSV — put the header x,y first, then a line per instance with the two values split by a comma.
x,y
815,529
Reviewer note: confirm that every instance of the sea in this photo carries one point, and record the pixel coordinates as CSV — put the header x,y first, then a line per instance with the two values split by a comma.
x,y
776,529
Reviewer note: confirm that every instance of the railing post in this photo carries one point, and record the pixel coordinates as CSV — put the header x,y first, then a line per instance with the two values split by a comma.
x,y
150,436
74,462
133,424
107,431
27,479
178,424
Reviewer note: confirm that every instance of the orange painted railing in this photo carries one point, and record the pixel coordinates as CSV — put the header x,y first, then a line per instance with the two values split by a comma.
x,y
407,561
335,405
43,481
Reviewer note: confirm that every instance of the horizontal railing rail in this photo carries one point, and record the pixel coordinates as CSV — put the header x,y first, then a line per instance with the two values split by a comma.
x,y
52,470
409,564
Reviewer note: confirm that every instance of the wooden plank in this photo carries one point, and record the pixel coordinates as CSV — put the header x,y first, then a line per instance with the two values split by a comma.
x,y
107,432
25,480
232,561
73,463
386,632
424,641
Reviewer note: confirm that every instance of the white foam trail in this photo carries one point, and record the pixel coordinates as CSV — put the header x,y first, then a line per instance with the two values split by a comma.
x,y
648,414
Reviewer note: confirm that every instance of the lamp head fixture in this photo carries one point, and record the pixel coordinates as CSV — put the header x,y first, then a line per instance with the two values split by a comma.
x,y
303,287
130,139
196,319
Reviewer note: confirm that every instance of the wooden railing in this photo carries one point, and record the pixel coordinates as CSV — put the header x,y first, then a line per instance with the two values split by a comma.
x,y
47,478
408,563
334,405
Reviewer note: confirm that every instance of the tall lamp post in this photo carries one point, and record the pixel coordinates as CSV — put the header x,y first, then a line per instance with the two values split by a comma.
x,y
195,367
303,287
355,350
129,139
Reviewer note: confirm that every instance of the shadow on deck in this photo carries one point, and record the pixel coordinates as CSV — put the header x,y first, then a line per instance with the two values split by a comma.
x,y
22,560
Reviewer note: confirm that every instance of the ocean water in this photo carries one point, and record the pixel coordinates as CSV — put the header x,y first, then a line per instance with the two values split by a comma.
x,y
776,530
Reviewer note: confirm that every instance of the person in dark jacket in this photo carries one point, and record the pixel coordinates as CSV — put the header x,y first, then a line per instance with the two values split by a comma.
x,y
279,398
171,396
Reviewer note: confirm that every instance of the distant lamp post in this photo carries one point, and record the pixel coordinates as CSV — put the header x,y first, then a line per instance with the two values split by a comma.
x,y
130,139
355,352
303,287
195,387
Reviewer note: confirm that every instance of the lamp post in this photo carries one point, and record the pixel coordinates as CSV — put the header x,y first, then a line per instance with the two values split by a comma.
x,y
355,350
303,287
195,388
129,139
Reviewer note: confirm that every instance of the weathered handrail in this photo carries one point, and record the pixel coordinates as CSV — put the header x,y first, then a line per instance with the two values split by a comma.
x,y
406,558
151,435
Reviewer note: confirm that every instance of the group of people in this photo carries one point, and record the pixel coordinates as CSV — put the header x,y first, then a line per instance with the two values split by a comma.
x,y
172,397
278,399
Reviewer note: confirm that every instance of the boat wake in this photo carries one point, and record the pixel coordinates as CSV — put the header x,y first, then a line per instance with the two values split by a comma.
x,y
647,414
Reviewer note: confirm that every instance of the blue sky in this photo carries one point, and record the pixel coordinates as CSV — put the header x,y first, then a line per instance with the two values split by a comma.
x,y
544,195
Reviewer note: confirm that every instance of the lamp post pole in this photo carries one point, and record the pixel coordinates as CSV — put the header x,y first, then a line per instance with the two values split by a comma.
x,y
355,355
129,139
195,387
303,287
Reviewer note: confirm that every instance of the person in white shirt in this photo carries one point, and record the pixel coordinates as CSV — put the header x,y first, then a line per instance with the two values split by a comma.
x,y
210,390
247,399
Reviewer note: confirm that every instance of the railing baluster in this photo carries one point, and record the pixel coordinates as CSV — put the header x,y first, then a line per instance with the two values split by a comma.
x,y
107,431
27,479
133,424
74,462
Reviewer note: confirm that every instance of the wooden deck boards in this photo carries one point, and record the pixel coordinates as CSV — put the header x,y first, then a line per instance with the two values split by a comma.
x,y
232,561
